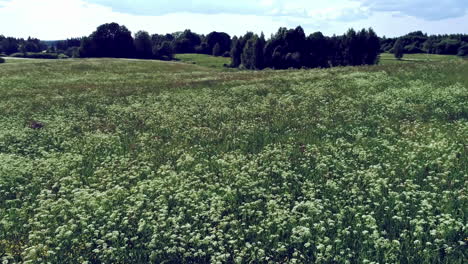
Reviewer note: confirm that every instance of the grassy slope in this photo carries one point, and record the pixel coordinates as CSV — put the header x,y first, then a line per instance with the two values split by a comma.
x,y
148,161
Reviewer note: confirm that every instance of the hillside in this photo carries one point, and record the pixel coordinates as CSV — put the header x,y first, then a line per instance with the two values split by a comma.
x,y
131,161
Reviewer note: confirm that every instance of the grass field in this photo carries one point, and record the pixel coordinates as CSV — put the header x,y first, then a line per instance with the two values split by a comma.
x,y
385,59
388,58
205,60
127,161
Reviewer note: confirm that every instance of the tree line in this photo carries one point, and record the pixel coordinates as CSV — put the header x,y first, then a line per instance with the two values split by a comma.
x,y
113,40
287,48
291,48
419,42
10,45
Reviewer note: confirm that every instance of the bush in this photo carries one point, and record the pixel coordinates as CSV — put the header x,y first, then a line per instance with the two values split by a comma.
x,y
2,60
227,54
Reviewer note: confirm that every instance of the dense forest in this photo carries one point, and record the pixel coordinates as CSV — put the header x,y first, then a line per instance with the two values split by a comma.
x,y
292,49
288,48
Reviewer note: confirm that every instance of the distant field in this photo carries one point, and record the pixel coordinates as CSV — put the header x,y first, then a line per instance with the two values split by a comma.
x,y
132,161
205,60
219,62
22,60
387,58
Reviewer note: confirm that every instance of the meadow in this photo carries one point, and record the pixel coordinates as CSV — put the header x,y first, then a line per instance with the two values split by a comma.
x,y
388,58
130,161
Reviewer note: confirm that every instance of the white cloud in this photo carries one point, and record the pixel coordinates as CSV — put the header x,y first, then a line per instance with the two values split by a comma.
x,y
386,23
425,9
245,7
58,19
51,19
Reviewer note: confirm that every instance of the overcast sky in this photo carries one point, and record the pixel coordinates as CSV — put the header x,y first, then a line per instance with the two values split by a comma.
x,y
59,19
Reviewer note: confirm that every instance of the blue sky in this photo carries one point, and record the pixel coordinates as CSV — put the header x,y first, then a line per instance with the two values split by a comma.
x,y
58,19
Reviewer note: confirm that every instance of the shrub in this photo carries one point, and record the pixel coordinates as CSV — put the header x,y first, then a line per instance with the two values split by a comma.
x,y
2,60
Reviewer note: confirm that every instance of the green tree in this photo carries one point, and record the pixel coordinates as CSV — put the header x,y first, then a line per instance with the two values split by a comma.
x,y
113,40
247,58
351,46
143,45
372,48
202,48
236,52
217,50
399,49
429,46
258,57
222,38
87,48
164,51
186,42
317,51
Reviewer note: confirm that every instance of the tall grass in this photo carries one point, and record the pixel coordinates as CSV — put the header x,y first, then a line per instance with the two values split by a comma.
x,y
160,162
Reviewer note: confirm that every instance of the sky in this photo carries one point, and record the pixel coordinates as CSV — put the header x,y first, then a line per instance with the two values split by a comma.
x,y
60,19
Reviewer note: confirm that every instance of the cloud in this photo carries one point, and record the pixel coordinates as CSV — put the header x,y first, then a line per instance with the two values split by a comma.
x,y
425,9
162,7
282,8
346,10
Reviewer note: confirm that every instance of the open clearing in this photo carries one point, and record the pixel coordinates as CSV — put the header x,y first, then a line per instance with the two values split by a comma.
x,y
119,161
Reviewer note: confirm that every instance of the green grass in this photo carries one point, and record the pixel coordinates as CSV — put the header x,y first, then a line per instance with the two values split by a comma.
x,y
205,60
153,162
388,58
